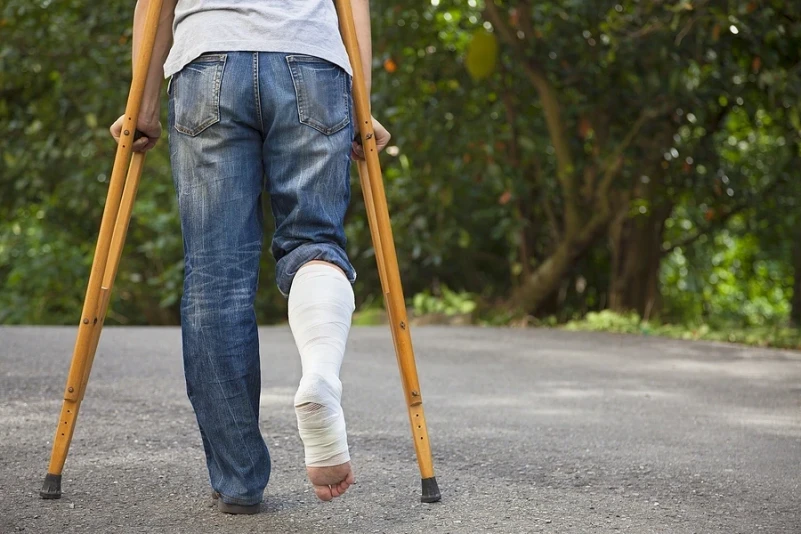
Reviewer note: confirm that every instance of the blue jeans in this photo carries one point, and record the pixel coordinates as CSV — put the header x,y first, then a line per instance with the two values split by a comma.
x,y
241,123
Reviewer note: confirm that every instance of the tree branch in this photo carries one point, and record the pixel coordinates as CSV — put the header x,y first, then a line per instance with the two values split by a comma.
x,y
524,15
615,160
646,115
555,231
550,104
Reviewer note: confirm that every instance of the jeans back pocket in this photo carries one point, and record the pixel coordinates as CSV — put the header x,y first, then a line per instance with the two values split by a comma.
x,y
322,90
196,94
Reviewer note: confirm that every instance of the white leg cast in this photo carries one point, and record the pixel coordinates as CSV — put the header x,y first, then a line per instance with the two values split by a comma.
x,y
321,306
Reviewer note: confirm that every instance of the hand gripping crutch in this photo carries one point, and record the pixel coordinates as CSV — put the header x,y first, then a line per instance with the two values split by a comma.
x,y
113,230
381,230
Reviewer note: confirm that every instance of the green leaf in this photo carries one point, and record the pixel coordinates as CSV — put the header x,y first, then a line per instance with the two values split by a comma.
x,y
794,119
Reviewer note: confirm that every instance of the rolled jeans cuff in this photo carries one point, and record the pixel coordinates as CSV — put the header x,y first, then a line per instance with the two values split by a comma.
x,y
288,266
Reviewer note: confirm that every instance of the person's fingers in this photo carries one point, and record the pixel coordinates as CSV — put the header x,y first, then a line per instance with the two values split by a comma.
x,y
139,144
384,141
152,142
382,138
115,131
357,151
143,144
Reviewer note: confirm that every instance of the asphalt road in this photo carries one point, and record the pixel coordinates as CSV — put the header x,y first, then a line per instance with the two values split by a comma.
x,y
532,431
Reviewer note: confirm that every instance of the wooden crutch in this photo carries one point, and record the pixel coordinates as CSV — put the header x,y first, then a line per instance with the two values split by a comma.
x,y
110,242
381,230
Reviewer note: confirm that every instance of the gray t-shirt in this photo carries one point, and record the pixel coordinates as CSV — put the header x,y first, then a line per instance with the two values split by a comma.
x,y
291,26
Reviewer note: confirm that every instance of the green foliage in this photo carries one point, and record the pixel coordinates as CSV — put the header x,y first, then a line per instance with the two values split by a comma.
x,y
608,321
64,76
477,201
64,68
37,256
370,313
447,303
739,284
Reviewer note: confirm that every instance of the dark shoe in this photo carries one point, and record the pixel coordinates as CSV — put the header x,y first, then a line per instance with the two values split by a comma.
x,y
224,507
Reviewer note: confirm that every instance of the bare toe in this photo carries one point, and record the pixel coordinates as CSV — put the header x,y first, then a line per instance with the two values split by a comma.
x,y
331,482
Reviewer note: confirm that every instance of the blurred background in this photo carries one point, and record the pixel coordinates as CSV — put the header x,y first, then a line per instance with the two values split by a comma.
x,y
611,165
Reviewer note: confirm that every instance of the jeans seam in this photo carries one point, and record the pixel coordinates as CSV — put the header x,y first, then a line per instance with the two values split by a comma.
x,y
230,410
297,78
256,93
346,95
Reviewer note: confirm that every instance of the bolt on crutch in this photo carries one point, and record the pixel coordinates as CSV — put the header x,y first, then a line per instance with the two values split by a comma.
x,y
381,231
111,238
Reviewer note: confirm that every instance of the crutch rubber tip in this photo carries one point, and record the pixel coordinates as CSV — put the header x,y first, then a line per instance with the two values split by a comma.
x,y
430,490
51,489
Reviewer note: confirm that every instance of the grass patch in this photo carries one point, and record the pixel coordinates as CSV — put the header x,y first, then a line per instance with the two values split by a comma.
x,y
762,336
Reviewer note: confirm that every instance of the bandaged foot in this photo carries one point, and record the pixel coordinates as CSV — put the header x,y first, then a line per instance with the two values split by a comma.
x,y
321,424
320,309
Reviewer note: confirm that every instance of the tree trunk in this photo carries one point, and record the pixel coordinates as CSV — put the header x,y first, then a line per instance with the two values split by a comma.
x,y
636,257
585,216
547,277
795,310
544,281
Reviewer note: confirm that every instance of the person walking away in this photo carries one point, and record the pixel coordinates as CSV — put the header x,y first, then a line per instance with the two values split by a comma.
x,y
259,100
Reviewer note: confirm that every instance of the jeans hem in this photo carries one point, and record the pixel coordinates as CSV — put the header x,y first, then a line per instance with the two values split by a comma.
x,y
289,265
240,502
